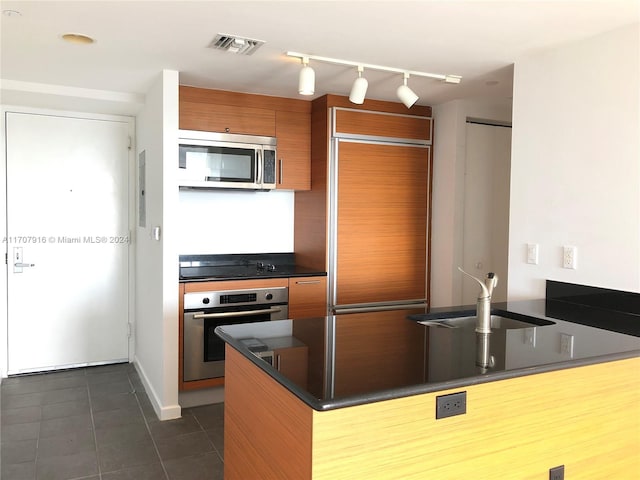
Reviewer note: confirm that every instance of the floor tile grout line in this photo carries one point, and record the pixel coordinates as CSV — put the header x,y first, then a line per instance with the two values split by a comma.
x,y
146,423
93,426
215,449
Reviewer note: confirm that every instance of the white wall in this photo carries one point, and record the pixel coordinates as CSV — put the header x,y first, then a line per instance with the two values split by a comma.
x,y
157,260
447,223
575,174
217,221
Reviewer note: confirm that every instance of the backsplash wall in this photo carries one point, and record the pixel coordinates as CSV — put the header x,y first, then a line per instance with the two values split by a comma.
x,y
224,221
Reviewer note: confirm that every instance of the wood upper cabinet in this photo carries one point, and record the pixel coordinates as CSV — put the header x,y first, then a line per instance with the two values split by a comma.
x,y
307,297
377,124
219,111
226,118
293,130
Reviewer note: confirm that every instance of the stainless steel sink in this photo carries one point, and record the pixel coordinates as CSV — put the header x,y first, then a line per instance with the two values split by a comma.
x,y
497,322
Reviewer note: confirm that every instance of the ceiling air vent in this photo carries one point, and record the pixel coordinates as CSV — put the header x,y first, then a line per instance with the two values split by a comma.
x,y
233,44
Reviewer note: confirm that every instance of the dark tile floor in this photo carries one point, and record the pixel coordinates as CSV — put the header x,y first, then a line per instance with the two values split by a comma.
x,y
97,424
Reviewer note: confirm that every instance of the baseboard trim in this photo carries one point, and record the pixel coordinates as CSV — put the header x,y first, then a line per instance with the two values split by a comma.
x,y
169,412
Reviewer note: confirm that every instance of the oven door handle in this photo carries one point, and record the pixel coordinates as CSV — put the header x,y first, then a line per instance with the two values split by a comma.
x,y
236,314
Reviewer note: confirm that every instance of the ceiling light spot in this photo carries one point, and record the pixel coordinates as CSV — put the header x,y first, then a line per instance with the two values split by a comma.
x,y
78,38
11,13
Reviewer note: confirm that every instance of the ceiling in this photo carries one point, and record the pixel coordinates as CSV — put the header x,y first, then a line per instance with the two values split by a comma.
x,y
479,40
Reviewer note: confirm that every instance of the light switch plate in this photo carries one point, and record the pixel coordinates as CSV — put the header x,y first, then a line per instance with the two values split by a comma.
x,y
532,253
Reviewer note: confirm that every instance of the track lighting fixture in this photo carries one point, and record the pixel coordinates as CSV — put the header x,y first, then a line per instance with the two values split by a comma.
x,y
307,80
359,88
405,94
306,84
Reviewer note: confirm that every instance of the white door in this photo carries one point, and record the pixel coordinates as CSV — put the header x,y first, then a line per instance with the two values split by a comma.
x,y
67,241
486,208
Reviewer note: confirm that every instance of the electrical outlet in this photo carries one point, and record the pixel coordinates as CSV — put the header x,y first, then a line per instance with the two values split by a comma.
x,y
556,473
569,257
451,405
532,253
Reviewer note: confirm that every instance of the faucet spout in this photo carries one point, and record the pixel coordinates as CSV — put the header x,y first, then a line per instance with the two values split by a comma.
x,y
483,308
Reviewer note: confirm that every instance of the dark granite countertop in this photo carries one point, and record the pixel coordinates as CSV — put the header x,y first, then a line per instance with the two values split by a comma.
x,y
207,268
250,273
360,358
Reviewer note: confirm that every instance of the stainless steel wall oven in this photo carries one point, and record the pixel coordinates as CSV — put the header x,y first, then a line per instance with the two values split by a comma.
x,y
203,350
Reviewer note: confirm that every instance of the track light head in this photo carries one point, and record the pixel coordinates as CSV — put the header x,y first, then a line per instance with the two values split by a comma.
x,y
359,88
405,94
307,79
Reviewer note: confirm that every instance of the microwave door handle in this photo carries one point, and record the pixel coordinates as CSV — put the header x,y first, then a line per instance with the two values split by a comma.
x,y
259,166
236,314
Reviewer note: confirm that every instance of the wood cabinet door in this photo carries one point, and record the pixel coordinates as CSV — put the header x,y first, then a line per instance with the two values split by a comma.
x,y
378,124
307,297
382,220
293,130
227,118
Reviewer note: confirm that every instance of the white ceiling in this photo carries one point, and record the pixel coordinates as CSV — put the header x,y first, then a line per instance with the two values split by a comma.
x,y
135,40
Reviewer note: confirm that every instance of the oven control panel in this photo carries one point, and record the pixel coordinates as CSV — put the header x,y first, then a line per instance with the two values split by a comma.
x,y
254,296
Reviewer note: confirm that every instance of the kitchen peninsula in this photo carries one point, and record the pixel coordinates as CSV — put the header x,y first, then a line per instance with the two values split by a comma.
x,y
557,394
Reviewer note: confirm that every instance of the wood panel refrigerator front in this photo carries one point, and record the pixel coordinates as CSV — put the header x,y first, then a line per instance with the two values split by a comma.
x,y
372,232
381,222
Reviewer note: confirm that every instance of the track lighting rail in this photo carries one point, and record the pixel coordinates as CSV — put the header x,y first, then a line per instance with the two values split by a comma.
x,y
437,76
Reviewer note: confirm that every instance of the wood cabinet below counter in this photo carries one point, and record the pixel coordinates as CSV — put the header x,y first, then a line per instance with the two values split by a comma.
x,y
307,297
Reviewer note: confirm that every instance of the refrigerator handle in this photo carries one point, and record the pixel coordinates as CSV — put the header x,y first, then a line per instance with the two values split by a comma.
x,y
377,308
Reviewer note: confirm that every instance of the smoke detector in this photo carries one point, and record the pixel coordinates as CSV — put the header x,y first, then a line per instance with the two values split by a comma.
x,y
235,44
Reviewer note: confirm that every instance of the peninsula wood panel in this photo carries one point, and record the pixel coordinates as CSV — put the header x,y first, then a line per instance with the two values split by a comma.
x,y
376,124
382,222
267,430
585,418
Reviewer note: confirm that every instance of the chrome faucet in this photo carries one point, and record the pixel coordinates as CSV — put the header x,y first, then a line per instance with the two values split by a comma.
x,y
483,312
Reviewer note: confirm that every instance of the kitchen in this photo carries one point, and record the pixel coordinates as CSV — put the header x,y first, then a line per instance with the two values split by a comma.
x,y
601,110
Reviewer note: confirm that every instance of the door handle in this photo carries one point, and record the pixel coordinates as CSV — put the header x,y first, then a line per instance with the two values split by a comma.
x,y
18,264
245,313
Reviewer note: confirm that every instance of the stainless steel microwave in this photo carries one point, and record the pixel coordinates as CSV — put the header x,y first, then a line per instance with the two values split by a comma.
x,y
226,160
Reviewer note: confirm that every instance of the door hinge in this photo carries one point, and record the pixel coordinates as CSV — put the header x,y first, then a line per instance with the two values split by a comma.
x,y
129,330
130,142
6,259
